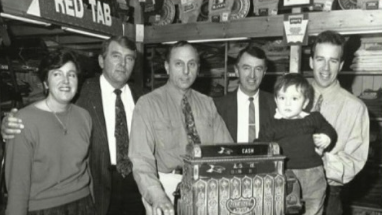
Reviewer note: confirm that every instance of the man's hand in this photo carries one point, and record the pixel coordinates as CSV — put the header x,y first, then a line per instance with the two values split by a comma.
x,y
162,206
321,140
11,125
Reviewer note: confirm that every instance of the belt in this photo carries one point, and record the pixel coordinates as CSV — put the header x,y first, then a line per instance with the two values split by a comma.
x,y
178,170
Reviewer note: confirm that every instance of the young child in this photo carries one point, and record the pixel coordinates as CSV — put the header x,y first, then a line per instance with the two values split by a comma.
x,y
302,137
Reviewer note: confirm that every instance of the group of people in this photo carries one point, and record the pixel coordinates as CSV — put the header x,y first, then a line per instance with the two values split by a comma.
x,y
112,153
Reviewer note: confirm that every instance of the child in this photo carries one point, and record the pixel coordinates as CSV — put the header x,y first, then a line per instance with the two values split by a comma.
x,y
302,137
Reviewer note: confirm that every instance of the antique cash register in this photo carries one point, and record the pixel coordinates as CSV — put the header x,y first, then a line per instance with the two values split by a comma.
x,y
237,179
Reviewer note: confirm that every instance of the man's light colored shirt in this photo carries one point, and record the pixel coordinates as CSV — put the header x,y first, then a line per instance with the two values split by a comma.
x,y
349,117
108,103
158,138
243,115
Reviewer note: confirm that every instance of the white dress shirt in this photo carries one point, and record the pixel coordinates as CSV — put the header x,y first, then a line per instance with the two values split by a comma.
x,y
243,117
108,103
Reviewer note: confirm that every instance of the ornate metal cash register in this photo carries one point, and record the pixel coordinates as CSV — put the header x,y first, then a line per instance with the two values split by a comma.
x,y
235,180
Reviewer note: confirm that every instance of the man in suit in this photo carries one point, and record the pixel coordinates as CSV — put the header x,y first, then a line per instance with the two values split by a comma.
x,y
235,107
114,193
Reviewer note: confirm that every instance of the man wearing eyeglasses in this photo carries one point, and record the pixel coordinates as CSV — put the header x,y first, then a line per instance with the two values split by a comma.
x,y
244,109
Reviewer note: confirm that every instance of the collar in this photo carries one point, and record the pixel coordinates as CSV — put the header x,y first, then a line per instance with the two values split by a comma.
x,y
176,93
108,88
326,91
279,116
244,97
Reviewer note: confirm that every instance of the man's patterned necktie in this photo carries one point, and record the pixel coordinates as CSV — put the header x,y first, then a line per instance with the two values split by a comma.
x,y
317,107
124,165
251,121
192,133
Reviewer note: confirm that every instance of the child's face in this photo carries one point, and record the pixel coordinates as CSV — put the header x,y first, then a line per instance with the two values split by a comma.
x,y
290,102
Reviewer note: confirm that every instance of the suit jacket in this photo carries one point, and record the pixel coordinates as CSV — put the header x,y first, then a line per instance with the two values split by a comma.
x,y
90,98
227,108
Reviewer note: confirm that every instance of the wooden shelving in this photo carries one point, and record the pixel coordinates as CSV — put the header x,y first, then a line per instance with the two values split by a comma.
x,y
345,21
363,73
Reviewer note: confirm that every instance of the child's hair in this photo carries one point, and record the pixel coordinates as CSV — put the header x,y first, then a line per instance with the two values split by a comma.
x,y
294,79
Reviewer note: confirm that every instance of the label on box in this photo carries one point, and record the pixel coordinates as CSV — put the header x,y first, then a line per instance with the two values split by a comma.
x,y
372,5
295,29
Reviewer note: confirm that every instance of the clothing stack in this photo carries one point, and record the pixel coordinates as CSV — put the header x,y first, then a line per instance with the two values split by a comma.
x,y
368,56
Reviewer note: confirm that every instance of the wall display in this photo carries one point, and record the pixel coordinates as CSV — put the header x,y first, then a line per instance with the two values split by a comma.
x,y
220,10
203,15
166,14
265,8
296,3
322,5
347,4
189,10
240,9
295,29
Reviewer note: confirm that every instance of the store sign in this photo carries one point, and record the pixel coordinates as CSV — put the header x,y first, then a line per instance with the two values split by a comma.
x,y
93,15
86,14
295,29
100,11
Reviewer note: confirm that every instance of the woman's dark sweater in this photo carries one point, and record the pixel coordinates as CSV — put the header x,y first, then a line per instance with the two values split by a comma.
x,y
295,137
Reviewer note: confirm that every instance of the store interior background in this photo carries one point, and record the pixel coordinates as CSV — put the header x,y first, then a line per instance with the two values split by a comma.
x,y
23,45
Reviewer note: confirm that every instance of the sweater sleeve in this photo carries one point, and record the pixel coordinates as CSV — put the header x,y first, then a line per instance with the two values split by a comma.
x,y
324,127
18,170
266,133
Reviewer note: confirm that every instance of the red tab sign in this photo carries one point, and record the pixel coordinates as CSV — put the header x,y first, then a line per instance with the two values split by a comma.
x,y
93,15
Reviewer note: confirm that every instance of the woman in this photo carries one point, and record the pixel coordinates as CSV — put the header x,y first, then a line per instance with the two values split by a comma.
x,y
47,164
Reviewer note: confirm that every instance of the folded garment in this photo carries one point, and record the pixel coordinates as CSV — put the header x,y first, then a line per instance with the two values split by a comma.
x,y
367,59
362,52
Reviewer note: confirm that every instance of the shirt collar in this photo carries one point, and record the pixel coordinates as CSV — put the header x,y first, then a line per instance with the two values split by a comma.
x,y
326,91
244,97
279,116
107,87
176,93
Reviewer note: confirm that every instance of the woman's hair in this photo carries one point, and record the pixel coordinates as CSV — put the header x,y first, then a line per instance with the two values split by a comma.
x,y
55,60
294,79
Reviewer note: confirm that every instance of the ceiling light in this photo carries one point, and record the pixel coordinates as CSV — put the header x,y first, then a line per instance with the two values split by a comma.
x,y
211,40
23,19
85,33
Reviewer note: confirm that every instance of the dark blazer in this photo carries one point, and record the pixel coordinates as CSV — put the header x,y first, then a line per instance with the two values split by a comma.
x,y
90,98
227,108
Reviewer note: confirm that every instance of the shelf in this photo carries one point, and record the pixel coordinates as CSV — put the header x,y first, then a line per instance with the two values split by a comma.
x,y
378,119
164,76
344,21
368,73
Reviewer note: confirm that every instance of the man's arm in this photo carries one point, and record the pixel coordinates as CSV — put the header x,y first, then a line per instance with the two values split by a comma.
x,y
221,132
18,166
326,128
11,125
141,153
350,153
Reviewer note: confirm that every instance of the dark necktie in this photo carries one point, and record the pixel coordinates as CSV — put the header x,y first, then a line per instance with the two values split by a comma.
x,y
192,133
251,121
317,107
124,165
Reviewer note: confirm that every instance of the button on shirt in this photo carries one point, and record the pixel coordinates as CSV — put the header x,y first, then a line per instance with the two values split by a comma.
x,y
242,115
108,103
158,138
